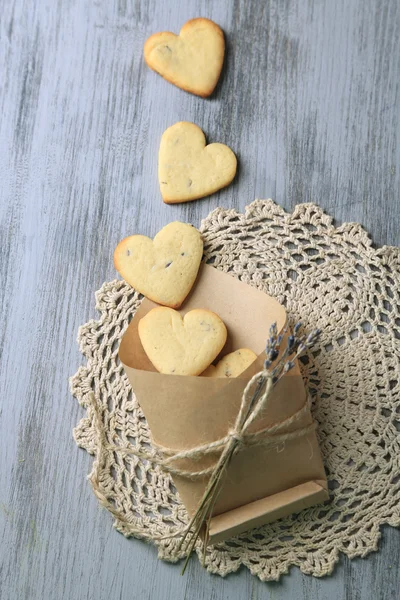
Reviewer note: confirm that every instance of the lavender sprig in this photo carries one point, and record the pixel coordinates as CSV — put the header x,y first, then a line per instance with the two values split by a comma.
x,y
295,346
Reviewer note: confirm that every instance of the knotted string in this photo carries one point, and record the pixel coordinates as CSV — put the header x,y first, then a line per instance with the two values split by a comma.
x,y
268,436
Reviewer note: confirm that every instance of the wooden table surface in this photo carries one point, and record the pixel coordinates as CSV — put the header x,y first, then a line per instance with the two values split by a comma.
x,y
308,100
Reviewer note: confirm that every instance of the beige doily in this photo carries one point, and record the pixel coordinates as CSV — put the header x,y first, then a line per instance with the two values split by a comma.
x,y
327,277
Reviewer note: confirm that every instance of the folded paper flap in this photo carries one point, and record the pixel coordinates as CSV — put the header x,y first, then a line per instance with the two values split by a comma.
x,y
131,352
323,483
267,509
269,503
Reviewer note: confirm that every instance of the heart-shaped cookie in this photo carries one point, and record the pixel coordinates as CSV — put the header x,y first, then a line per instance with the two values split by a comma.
x,y
232,364
163,269
191,60
187,168
181,346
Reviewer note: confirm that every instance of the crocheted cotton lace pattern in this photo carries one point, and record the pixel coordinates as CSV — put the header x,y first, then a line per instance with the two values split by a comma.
x,y
326,277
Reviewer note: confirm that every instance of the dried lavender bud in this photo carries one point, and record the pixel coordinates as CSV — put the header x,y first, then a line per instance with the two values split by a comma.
x,y
296,328
274,354
273,330
313,336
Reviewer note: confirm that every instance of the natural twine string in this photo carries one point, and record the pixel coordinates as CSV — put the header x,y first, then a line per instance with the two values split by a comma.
x,y
268,436
237,437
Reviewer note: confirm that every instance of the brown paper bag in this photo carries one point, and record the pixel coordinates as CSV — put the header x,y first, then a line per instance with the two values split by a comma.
x,y
262,483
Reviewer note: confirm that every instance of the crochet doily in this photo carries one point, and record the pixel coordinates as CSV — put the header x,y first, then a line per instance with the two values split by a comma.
x,y
327,277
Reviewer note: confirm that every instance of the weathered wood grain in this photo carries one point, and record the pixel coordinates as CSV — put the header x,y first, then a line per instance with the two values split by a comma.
x,y
309,101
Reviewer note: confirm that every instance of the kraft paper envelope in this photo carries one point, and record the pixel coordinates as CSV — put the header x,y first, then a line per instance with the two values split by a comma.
x,y
262,483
